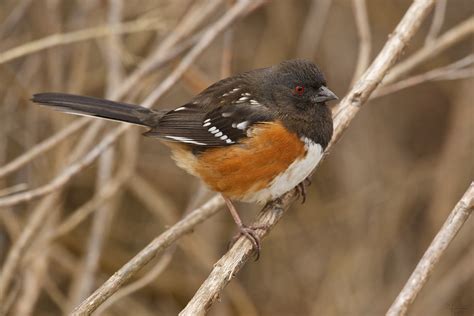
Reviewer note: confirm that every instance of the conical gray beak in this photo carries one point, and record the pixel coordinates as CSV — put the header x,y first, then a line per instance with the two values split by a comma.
x,y
324,94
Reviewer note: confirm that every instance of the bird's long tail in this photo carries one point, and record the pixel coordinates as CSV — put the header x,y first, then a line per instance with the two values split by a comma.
x,y
89,106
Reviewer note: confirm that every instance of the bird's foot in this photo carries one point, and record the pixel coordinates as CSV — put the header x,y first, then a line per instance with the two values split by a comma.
x,y
250,232
301,189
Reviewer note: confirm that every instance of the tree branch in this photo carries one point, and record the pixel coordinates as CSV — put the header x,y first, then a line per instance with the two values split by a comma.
x,y
448,39
240,8
365,38
440,243
155,248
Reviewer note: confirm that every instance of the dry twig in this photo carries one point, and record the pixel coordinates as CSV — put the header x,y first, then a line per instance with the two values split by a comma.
x,y
155,248
85,279
207,38
437,23
112,285
365,38
456,70
42,147
139,25
313,28
435,251
34,224
448,39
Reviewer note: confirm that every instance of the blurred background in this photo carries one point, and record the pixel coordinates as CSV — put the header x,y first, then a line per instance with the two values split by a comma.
x,y
372,209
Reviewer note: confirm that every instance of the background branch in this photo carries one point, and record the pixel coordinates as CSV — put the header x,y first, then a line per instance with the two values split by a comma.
x,y
435,251
155,248
365,38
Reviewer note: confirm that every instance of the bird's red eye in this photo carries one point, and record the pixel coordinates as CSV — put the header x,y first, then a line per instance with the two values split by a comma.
x,y
299,90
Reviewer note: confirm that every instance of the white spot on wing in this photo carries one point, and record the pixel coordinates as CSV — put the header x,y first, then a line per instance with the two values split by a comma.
x,y
224,137
242,125
180,109
227,114
206,124
184,140
219,134
232,91
212,129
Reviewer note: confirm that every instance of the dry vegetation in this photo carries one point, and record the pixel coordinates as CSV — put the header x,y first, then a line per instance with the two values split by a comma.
x,y
73,212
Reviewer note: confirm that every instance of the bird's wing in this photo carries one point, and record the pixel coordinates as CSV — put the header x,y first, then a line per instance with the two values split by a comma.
x,y
224,123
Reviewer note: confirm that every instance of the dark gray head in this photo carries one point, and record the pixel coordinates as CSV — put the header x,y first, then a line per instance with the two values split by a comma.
x,y
297,83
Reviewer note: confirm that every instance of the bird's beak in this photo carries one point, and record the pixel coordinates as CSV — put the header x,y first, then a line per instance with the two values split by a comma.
x,y
324,94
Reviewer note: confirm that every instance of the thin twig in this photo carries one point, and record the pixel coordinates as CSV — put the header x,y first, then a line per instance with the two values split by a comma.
x,y
42,147
14,16
443,42
85,279
155,60
114,283
365,38
33,225
156,247
76,125
456,70
437,23
67,174
226,268
197,14
227,53
161,265
313,28
139,25
112,136
35,222
435,251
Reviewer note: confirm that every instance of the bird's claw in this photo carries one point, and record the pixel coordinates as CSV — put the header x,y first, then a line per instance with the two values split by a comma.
x,y
250,232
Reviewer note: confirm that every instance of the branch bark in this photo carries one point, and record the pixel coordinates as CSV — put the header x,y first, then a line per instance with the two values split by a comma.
x,y
365,38
236,11
435,251
227,267
155,248
448,39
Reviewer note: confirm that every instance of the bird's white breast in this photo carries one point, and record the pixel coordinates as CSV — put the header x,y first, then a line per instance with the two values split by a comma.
x,y
299,170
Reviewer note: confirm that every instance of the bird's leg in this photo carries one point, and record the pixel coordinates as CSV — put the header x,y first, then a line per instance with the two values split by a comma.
x,y
248,231
301,189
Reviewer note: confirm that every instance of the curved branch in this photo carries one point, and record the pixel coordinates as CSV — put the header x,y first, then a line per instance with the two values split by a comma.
x,y
440,243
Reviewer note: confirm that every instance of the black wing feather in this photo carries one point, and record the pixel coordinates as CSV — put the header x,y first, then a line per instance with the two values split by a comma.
x,y
194,125
218,116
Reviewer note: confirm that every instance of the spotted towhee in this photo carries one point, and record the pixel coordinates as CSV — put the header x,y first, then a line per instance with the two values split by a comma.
x,y
252,137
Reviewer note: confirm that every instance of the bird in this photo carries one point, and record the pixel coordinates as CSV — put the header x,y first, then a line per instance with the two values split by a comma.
x,y
250,137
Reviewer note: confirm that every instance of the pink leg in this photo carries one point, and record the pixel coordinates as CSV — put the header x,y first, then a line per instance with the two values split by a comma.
x,y
248,232
301,189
